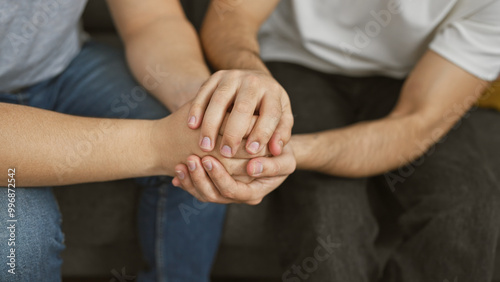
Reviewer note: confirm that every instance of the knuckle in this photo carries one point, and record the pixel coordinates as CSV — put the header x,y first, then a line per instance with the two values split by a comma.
x,y
224,89
276,88
220,99
265,133
274,112
244,107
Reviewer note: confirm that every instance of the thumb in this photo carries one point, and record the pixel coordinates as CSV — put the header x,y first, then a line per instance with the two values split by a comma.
x,y
272,166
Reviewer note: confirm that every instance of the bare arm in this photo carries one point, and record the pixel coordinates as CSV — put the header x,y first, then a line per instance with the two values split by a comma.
x,y
48,148
435,96
243,84
230,38
162,48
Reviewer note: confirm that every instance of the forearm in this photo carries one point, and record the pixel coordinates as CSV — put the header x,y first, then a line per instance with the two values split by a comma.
x,y
231,42
166,58
434,97
240,51
48,148
366,148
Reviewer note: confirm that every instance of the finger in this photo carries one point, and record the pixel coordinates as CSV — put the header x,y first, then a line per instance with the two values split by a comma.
x,y
249,129
200,102
176,182
243,154
214,115
274,166
244,106
183,180
227,186
269,116
202,183
283,132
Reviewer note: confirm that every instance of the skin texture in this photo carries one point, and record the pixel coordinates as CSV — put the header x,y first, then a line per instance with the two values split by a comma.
x,y
157,36
41,145
247,88
435,96
210,182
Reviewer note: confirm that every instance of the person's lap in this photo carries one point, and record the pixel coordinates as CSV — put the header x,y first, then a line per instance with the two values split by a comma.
x,y
440,199
98,83
450,197
310,207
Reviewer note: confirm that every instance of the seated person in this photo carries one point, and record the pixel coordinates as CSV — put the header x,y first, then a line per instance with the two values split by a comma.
x,y
383,96
72,112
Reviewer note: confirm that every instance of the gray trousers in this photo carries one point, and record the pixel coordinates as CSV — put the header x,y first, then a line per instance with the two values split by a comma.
x,y
442,211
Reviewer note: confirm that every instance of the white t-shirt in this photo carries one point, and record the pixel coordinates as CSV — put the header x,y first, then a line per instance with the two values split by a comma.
x,y
384,37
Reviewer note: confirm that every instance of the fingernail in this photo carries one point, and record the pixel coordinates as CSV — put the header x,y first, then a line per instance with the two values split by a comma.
x,y
206,143
254,147
226,151
192,120
257,168
208,165
180,174
191,165
281,143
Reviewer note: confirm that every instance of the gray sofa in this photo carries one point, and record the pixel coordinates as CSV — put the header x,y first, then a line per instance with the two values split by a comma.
x,y
99,219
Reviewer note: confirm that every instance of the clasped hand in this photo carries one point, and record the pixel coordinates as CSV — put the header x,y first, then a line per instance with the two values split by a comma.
x,y
234,108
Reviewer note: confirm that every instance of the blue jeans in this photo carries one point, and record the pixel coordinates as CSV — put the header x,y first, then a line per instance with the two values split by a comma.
x,y
179,235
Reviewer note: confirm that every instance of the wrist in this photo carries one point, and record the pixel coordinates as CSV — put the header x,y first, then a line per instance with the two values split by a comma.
x,y
302,150
175,99
159,133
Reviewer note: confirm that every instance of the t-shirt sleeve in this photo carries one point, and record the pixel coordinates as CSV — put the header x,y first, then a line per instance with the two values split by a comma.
x,y
473,42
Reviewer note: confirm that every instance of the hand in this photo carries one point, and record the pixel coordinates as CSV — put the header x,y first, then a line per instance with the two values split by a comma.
x,y
210,182
173,141
250,92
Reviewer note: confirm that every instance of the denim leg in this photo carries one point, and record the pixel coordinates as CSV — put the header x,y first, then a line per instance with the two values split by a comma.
x,y
38,239
98,84
181,233
451,198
